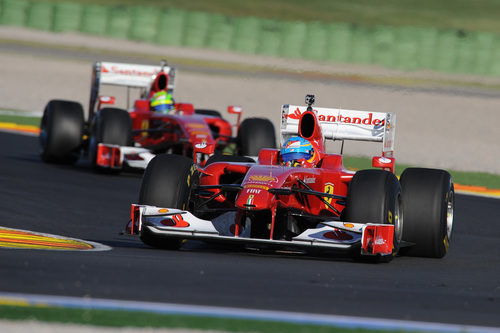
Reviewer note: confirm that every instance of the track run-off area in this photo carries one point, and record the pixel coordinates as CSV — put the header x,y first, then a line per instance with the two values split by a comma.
x,y
74,202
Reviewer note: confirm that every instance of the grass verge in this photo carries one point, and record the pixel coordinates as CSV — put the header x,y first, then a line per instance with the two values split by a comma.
x,y
114,318
30,121
488,180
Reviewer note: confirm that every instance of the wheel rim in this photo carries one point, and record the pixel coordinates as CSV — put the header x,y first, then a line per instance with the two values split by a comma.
x,y
398,220
450,203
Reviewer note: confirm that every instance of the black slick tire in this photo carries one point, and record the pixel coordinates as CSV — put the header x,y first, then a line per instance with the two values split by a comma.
x,y
428,196
255,134
167,182
374,196
61,132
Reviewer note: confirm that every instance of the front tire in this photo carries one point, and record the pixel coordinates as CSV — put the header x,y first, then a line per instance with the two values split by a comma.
x,y
255,134
167,182
428,196
61,132
374,196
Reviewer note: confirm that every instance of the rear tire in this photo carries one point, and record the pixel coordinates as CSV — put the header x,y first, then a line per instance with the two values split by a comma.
x,y
255,134
428,196
112,126
167,182
374,196
61,132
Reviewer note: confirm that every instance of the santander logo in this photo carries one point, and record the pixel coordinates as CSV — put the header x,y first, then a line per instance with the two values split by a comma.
x,y
295,114
369,120
127,71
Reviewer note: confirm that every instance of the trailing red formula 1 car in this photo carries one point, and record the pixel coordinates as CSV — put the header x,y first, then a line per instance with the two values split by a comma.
x,y
114,137
301,197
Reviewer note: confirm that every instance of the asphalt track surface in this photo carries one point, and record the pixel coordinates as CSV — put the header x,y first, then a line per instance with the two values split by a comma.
x,y
463,288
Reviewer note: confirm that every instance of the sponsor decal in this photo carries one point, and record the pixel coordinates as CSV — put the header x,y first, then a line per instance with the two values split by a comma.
x,y
293,144
295,115
263,178
201,145
195,125
348,225
384,160
253,190
309,180
250,200
446,243
351,120
163,210
145,126
263,187
106,99
199,133
123,71
191,172
369,120
379,241
329,188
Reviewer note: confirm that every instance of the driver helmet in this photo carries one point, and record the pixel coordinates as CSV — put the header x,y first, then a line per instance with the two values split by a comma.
x,y
162,102
297,151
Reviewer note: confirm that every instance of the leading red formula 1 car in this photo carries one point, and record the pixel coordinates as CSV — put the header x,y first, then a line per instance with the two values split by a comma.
x,y
115,137
309,201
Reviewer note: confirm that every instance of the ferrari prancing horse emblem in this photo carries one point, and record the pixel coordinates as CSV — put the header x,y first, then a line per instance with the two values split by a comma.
x,y
329,187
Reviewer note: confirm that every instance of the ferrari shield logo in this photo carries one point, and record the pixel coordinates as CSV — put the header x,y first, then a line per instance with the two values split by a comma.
x,y
329,187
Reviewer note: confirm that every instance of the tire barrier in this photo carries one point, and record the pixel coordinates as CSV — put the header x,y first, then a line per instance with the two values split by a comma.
x,y
405,48
94,20
40,16
67,17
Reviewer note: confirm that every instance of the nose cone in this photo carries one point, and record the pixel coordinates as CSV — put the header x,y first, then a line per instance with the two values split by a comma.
x,y
253,198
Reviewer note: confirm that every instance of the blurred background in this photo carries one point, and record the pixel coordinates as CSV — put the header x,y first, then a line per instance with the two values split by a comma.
x,y
436,64
456,36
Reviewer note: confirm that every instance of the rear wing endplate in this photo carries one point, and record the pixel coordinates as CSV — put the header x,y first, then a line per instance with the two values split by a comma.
x,y
339,124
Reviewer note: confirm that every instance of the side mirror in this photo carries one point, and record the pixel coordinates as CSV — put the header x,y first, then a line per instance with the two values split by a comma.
x,y
385,163
105,100
202,150
232,109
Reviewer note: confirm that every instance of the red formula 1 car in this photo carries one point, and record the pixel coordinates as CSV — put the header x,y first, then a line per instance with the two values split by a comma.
x,y
308,203
114,137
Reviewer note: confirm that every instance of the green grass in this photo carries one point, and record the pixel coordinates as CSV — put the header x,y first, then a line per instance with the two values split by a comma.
x,y
477,15
33,121
112,318
487,180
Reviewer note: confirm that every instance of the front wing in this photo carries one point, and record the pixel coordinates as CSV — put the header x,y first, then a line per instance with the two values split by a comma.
x,y
371,238
116,157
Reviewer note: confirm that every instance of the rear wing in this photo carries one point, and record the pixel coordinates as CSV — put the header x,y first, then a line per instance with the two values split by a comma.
x,y
127,75
339,124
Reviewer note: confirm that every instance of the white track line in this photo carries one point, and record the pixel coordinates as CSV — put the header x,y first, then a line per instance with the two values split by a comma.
x,y
223,312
